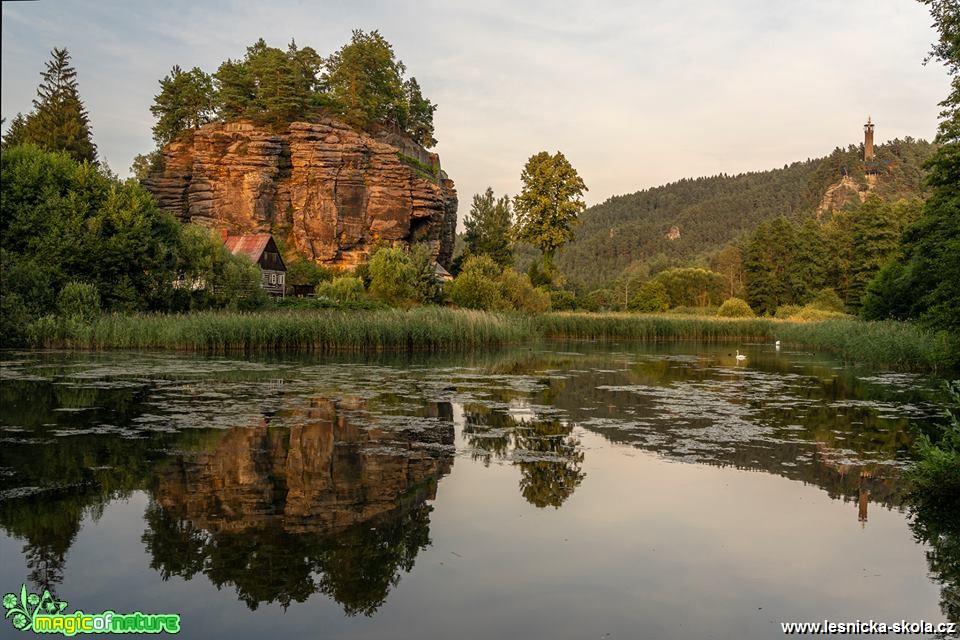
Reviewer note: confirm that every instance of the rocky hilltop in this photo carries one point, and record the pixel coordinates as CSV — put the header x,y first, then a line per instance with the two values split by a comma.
x,y
326,190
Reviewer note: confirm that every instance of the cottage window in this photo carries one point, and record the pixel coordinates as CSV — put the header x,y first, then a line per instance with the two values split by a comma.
x,y
273,278
280,277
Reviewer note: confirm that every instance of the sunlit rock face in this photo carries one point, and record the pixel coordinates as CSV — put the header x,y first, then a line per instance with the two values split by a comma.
x,y
322,476
330,192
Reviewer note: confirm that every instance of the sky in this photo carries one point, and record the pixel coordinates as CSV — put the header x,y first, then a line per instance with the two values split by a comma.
x,y
635,94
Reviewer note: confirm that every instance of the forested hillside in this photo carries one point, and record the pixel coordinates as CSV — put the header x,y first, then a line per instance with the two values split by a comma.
x,y
632,230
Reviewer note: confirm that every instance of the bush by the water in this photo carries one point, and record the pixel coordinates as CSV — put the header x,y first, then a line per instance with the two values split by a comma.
x,y
827,300
651,297
79,300
735,308
65,222
484,284
342,289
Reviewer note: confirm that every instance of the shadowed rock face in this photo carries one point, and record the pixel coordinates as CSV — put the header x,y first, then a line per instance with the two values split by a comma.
x,y
329,191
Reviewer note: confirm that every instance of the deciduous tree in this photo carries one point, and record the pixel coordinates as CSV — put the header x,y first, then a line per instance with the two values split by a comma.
x,y
549,204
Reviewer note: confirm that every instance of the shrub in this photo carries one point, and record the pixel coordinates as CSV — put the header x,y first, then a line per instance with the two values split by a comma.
x,y
392,277
787,311
478,286
811,314
650,298
79,300
735,308
562,300
426,285
342,289
601,300
539,276
306,272
827,300
519,293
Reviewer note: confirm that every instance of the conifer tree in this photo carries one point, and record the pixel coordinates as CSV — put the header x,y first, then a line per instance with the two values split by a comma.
x,y
59,121
488,228
185,101
419,114
366,81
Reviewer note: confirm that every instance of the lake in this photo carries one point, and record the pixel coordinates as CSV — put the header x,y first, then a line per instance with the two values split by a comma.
x,y
556,490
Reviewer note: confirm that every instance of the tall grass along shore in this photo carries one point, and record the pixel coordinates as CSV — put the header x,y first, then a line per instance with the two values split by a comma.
x,y
898,344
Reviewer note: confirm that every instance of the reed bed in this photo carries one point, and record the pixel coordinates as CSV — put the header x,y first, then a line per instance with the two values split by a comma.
x,y
652,327
321,331
436,329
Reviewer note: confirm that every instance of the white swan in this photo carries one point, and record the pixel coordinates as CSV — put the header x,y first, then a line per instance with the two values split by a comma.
x,y
777,344
740,357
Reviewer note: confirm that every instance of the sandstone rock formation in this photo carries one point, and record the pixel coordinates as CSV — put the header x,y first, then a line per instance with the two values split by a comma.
x,y
327,191
843,192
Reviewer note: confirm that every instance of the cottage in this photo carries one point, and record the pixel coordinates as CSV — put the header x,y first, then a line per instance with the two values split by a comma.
x,y
263,251
441,274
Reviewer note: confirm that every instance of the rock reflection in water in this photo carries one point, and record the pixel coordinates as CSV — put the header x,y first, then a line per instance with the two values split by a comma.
x,y
282,513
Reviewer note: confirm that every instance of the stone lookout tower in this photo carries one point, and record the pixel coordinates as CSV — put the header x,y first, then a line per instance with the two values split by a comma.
x,y
870,165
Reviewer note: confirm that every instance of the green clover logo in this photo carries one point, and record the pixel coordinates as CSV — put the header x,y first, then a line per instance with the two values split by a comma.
x,y
25,608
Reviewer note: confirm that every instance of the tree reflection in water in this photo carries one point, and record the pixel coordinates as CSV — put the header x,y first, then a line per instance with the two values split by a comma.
x,y
548,456
357,567
941,532
324,506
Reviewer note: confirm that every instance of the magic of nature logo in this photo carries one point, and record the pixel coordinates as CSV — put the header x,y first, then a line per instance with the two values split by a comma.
x,y
43,613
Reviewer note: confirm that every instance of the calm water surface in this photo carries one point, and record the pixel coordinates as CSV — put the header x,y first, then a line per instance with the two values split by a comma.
x,y
563,492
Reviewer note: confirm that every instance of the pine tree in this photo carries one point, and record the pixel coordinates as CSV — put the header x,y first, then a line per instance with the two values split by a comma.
x,y
488,228
16,133
419,114
185,102
59,121
235,90
366,81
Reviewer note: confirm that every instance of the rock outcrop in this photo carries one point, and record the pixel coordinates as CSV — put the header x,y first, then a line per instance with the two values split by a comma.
x,y
328,191
843,192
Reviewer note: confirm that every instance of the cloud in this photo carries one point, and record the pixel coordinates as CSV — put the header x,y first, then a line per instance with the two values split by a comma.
x,y
635,94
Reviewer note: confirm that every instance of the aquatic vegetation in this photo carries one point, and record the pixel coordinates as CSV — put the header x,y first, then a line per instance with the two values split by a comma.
x,y
421,329
902,345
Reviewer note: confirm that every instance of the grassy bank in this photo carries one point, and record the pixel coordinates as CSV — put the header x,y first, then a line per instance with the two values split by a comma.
x,y
897,344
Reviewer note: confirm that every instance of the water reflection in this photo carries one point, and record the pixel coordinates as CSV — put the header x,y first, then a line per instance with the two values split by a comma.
x,y
280,479
548,456
283,513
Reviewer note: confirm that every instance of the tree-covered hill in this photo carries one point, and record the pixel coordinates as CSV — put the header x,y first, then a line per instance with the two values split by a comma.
x,y
631,230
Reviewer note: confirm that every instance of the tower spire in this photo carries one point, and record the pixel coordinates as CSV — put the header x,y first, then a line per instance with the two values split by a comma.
x,y
868,141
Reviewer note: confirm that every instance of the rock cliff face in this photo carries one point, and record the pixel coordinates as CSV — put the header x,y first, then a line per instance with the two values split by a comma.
x,y
327,191
843,192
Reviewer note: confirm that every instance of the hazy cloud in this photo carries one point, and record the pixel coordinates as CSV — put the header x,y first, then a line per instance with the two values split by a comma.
x,y
634,93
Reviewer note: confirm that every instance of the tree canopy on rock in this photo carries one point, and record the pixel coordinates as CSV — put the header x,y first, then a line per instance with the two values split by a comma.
x,y
363,82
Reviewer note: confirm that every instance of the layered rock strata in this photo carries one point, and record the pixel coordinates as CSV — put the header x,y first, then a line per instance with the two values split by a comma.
x,y
329,192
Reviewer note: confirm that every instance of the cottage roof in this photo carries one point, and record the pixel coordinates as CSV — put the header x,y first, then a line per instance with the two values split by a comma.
x,y
253,245
440,272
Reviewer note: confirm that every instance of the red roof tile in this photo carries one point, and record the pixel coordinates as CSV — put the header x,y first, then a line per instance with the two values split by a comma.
x,y
252,245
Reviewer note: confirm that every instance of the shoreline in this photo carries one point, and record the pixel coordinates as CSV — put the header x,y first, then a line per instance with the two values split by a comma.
x,y
899,345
